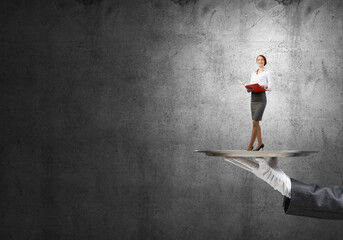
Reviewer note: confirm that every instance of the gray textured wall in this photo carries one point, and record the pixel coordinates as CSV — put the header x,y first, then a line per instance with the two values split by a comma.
x,y
103,103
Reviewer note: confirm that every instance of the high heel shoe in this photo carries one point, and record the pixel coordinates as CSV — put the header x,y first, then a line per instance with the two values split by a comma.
x,y
258,149
251,149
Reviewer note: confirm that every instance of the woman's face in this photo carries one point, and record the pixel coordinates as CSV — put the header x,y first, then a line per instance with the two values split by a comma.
x,y
260,61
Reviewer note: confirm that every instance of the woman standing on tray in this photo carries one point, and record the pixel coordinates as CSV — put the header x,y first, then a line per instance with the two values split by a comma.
x,y
259,101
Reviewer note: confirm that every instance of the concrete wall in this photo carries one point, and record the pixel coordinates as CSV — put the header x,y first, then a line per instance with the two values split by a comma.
x,y
103,103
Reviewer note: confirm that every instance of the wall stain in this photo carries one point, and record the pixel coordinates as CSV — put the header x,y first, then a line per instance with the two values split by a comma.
x,y
205,10
265,5
287,2
88,2
309,10
213,12
313,6
85,2
325,70
184,2
156,5
261,4
314,18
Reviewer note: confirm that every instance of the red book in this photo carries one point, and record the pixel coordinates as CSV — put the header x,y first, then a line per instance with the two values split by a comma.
x,y
255,87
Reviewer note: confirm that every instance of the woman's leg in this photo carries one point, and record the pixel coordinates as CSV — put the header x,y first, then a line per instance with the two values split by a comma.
x,y
259,136
255,129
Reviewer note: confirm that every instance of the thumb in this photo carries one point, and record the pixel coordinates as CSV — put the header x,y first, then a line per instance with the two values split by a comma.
x,y
263,166
261,161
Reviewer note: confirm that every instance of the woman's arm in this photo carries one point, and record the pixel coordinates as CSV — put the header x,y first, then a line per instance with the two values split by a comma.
x,y
269,81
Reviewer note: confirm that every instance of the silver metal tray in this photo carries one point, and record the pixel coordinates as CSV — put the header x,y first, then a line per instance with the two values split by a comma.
x,y
244,153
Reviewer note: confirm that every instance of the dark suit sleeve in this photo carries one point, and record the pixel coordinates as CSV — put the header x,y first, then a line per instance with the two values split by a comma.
x,y
310,200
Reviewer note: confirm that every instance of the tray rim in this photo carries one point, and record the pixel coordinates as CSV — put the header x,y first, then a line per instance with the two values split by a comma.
x,y
244,153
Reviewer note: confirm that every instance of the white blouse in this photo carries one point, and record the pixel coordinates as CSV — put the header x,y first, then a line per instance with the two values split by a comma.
x,y
263,78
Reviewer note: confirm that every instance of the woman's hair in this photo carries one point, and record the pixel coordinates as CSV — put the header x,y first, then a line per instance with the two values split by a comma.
x,y
265,59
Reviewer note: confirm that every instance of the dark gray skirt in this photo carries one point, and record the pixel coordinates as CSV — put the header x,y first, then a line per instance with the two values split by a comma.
x,y
258,104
